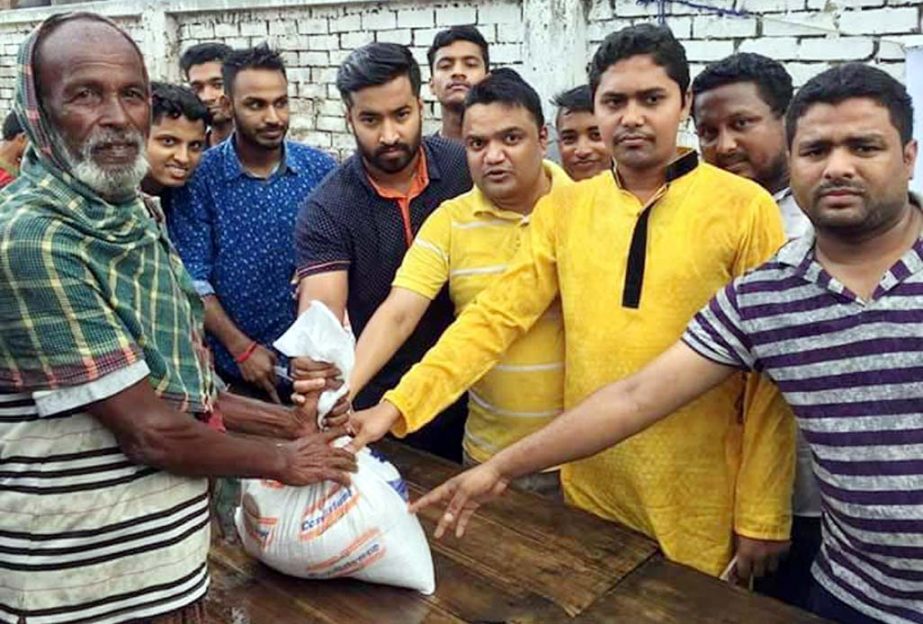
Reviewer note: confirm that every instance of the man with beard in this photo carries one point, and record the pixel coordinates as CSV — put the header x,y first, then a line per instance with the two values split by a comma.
x,y
201,64
835,318
233,222
458,60
584,154
354,230
104,377
739,105
625,254
179,122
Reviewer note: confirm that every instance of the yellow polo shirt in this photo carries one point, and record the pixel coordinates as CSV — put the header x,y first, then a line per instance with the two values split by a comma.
x,y
468,242
629,277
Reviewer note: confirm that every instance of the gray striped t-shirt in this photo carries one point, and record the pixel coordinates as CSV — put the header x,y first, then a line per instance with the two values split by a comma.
x,y
852,371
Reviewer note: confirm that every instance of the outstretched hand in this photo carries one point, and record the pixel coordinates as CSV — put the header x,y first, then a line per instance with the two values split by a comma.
x,y
464,494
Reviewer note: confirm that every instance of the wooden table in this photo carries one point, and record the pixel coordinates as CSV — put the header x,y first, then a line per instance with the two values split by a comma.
x,y
523,560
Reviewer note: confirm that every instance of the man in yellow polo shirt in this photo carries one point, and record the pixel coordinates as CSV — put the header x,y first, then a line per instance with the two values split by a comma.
x,y
633,256
468,242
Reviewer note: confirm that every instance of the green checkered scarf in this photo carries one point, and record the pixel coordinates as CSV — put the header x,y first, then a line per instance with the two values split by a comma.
x,y
88,287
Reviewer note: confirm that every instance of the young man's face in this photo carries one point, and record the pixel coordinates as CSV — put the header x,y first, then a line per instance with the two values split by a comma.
x,y
456,68
583,151
740,133
505,148
849,168
174,150
206,81
260,105
639,109
387,122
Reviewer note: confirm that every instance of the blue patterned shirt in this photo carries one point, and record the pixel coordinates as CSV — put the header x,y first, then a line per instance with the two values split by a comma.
x,y
234,232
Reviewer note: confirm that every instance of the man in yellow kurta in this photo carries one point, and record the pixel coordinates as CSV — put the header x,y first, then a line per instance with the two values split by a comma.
x,y
633,255
467,243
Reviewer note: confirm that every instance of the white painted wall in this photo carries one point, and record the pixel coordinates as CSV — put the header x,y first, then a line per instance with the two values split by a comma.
x,y
549,41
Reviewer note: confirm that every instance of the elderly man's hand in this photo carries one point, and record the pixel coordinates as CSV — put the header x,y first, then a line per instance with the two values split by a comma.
x,y
465,493
312,459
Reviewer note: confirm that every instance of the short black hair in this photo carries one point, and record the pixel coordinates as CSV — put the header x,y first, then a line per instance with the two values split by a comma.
x,y
209,52
174,101
772,81
854,80
642,39
578,100
11,127
505,86
257,57
375,64
458,33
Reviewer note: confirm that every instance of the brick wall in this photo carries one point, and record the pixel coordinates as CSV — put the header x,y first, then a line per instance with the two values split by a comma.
x,y
314,41
316,35
807,35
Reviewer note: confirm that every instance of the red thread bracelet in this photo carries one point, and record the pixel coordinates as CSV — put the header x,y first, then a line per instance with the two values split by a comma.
x,y
243,357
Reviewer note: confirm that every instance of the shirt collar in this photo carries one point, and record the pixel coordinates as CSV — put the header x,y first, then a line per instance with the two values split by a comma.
x,y
417,185
800,251
433,172
485,206
234,169
782,195
685,161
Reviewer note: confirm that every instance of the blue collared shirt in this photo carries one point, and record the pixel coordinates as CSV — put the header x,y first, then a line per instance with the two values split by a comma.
x,y
234,232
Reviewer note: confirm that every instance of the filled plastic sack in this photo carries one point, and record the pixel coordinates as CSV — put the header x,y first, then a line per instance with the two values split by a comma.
x,y
326,530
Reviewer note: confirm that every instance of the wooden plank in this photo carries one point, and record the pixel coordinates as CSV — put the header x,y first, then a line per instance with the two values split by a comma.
x,y
529,539
508,568
244,590
661,592
242,586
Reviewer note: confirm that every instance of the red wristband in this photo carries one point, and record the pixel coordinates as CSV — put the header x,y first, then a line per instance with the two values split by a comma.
x,y
243,357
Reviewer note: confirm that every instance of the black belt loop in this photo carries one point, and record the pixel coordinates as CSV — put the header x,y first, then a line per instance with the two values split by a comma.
x,y
637,256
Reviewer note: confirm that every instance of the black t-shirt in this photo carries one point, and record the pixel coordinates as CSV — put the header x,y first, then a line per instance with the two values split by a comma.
x,y
346,225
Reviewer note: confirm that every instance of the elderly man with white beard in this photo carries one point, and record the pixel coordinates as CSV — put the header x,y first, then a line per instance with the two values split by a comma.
x,y
109,416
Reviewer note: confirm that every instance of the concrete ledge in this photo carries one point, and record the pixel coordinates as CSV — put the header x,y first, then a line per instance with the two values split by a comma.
x,y
134,8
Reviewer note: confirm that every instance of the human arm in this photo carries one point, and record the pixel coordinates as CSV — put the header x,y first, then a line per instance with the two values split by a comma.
x,y
323,257
481,334
762,506
246,415
607,417
386,331
256,362
423,273
191,224
149,432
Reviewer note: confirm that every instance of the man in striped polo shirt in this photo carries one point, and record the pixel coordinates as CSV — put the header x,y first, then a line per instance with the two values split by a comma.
x,y
835,320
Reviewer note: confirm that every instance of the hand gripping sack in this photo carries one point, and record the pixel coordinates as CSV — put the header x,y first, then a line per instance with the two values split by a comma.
x,y
326,530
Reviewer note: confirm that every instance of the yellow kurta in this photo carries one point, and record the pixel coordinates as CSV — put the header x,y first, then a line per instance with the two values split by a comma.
x,y
468,243
694,478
